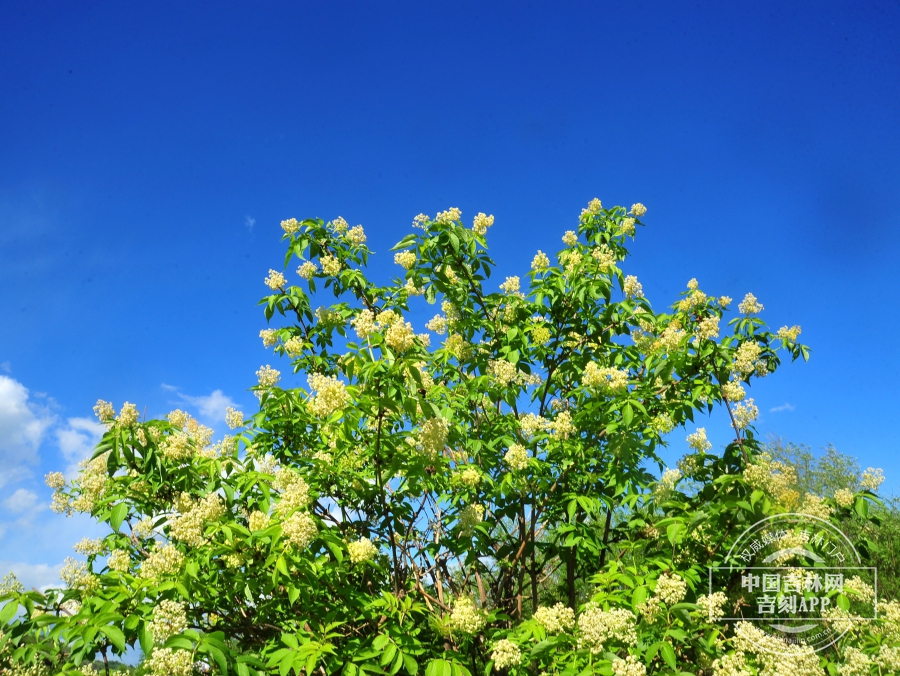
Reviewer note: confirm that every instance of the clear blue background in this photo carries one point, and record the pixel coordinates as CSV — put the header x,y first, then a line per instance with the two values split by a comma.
x,y
149,151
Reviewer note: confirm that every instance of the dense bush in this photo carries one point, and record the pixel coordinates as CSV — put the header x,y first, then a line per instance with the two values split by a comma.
x,y
483,504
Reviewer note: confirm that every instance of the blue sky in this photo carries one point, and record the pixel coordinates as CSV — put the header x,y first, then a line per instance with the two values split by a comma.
x,y
150,151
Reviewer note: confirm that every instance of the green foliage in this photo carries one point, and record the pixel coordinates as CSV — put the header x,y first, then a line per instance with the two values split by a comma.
x,y
424,509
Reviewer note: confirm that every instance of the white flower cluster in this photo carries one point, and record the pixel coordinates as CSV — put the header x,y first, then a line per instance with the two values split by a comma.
x,y
862,590
357,235
597,626
662,423
713,605
733,391
815,506
872,478
750,306
188,526
290,226
516,457
608,378
300,529
511,285
666,484
633,288
747,361
481,223
405,259
294,491
638,209
267,376
540,261
628,667
233,418
10,584
438,324
307,270
104,411
88,546
570,238
128,415
452,214
258,521
593,208
731,665
789,335
362,550
331,266
169,662
468,476
555,620
275,280
169,619
330,394
844,497
744,414
466,617
432,437
604,256
119,560
707,329
670,588
506,654
162,561
506,373
698,440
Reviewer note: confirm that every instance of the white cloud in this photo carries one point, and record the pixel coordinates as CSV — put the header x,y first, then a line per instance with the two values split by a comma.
x,y
23,425
783,407
6,366
249,221
77,441
211,407
33,575
21,501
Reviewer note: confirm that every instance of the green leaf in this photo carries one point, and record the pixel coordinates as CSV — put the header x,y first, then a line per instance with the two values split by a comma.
x,y
668,653
627,415
8,611
115,636
861,507
117,516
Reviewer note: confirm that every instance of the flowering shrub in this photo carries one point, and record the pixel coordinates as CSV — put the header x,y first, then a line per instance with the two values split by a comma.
x,y
466,499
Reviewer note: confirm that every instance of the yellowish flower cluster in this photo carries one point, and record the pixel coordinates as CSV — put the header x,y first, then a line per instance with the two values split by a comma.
x,y
176,446
571,258
733,391
362,550
628,667
458,347
775,478
10,585
188,526
331,266
531,423
843,497
75,575
290,226
405,259
713,605
357,235
856,663
104,411
746,360
481,223
275,280
128,415
300,529
91,483
55,480
555,620
789,335
169,619
469,517
258,521
670,588
420,221
562,425
872,479
233,417
593,208
267,376
452,214
269,337
744,414
662,423
724,301
813,505
400,336
466,617
638,209
169,662
734,664
516,457
887,658
604,256
750,305
364,324
540,261
119,560
467,476
628,227
707,329
433,437
777,657
294,491
307,270
690,464
511,285
339,224
330,394
89,547
863,590
608,378
698,440
597,626
143,529
890,613
412,289
161,561
570,238
671,337
506,654
666,484
438,324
